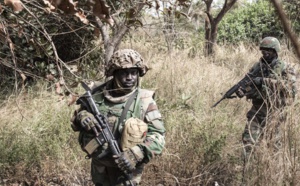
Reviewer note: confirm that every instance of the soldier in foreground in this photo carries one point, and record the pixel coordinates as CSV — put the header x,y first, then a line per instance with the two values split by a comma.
x,y
132,117
271,89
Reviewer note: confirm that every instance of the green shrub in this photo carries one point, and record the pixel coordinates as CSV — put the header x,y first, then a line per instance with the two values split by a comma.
x,y
250,23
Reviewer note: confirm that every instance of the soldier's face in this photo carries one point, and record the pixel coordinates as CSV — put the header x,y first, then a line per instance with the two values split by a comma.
x,y
268,55
127,77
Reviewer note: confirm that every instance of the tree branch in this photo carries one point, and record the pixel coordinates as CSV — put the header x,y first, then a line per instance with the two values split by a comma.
x,y
287,26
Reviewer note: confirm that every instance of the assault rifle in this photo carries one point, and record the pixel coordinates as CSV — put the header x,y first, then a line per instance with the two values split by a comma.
x,y
247,80
101,130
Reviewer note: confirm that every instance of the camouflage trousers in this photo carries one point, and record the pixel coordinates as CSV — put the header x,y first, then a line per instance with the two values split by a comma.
x,y
105,173
262,123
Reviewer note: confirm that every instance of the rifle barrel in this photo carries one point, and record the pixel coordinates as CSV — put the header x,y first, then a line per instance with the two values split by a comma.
x,y
218,102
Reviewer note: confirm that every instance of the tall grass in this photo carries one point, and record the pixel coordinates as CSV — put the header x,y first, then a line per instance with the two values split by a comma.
x,y
37,144
203,144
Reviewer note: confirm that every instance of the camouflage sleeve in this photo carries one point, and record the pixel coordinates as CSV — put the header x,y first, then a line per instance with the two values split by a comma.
x,y
291,79
251,92
81,103
75,120
255,66
284,83
155,139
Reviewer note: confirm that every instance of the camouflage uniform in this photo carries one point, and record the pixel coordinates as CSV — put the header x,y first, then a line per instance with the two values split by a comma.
x,y
104,170
276,91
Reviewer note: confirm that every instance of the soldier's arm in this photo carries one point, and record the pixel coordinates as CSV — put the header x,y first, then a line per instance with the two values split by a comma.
x,y
155,138
285,82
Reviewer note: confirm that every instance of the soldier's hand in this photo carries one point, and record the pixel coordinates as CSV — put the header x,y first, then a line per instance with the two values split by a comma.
x,y
127,160
240,93
258,81
88,122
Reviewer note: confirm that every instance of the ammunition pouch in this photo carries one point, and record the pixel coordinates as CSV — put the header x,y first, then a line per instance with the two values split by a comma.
x,y
93,146
134,133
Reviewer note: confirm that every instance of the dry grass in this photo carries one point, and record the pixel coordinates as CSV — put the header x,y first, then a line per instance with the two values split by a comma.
x,y
203,145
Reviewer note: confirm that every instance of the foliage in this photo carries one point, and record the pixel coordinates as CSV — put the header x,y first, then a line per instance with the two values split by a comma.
x,y
292,8
212,22
37,44
65,41
38,133
250,23
203,145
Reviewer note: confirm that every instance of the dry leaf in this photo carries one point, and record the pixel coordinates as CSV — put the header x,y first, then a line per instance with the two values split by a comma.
x,y
68,6
72,100
58,88
82,17
102,10
16,5
50,77
50,6
96,32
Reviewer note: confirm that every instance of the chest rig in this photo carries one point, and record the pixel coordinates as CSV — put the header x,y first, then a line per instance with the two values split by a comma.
x,y
118,112
272,70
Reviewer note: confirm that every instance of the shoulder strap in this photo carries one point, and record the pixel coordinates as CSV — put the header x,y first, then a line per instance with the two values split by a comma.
x,y
127,106
125,110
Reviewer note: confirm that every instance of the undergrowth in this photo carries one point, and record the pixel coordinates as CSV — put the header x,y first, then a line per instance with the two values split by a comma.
x,y
203,144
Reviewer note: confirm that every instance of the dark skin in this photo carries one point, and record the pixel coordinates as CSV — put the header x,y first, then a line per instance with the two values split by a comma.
x,y
268,55
127,77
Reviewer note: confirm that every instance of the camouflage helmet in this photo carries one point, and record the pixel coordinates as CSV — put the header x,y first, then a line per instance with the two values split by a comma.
x,y
270,43
126,58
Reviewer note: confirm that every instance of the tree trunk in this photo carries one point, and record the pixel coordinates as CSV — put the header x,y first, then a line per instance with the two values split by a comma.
x,y
211,24
210,37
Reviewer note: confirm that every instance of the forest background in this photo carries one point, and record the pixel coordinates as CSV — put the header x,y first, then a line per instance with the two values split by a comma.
x,y
196,50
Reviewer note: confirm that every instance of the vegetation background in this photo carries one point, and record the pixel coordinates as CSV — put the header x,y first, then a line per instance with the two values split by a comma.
x,y
203,144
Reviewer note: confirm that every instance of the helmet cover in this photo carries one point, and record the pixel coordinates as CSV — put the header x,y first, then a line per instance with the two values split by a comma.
x,y
126,58
270,43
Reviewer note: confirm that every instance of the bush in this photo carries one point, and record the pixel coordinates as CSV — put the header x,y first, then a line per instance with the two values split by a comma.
x,y
249,23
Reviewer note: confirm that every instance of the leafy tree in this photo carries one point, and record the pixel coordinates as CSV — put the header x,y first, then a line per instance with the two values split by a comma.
x,y
36,43
211,22
288,28
43,38
250,23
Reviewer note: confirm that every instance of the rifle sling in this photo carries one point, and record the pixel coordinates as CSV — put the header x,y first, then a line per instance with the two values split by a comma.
x,y
94,144
125,110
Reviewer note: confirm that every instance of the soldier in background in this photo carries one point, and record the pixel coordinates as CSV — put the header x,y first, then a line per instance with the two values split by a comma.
x,y
272,89
133,117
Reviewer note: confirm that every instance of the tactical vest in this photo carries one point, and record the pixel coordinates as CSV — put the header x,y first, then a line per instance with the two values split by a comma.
x,y
278,70
113,112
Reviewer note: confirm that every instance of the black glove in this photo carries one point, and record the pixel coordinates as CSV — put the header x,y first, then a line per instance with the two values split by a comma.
x,y
88,122
257,80
240,93
127,160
